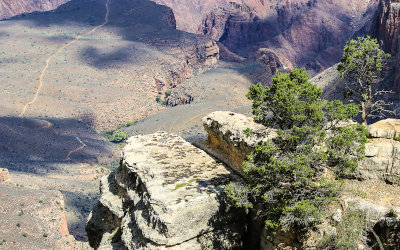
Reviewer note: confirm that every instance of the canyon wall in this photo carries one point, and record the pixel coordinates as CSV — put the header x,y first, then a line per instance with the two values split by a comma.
x,y
388,32
308,33
10,8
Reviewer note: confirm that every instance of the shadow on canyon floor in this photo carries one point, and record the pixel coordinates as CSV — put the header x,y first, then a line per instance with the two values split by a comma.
x,y
31,145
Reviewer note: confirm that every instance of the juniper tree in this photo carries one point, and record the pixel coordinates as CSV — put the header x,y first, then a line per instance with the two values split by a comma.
x,y
284,177
361,66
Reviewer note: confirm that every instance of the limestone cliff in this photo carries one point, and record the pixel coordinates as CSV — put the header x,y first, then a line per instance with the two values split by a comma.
x,y
166,194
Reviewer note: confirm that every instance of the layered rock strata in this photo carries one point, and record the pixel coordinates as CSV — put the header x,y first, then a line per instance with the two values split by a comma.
x,y
228,142
166,194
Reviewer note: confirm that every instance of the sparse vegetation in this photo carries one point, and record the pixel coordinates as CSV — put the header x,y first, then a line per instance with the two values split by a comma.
x,y
40,201
248,132
18,224
20,213
349,232
116,136
160,100
391,213
45,235
25,234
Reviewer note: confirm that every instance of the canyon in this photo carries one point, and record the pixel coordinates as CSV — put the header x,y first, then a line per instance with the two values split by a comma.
x,y
73,70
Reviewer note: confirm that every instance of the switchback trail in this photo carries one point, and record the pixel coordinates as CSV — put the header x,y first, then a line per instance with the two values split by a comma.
x,y
48,60
83,145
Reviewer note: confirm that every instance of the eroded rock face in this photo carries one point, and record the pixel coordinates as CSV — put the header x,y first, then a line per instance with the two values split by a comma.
x,y
310,34
165,194
10,8
228,142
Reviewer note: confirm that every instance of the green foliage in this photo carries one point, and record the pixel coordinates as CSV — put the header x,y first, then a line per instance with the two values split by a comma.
x,y
248,132
291,101
20,213
40,201
45,235
119,137
25,234
168,92
18,224
160,100
284,175
361,65
391,213
349,231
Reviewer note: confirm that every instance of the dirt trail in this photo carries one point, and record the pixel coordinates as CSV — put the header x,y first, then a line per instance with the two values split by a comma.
x,y
44,70
83,145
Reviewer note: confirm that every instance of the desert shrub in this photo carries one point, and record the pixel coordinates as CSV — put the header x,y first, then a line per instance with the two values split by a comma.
x,y
391,213
119,137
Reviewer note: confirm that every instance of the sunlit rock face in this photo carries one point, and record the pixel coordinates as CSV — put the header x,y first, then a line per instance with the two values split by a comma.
x,y
166,194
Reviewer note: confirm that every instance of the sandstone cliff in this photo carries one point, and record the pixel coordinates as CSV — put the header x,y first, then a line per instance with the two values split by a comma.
x,y
10,8
165,194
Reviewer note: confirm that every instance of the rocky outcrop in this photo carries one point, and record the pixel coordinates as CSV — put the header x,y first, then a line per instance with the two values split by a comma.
x,y
4,175
382,152
165,194
10,8
231,136
228,142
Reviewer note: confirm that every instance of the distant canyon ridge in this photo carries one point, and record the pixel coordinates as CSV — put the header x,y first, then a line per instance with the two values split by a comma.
x,y
302,33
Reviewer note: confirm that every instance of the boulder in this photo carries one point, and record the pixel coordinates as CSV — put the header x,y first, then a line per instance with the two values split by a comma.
x,y
165,194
